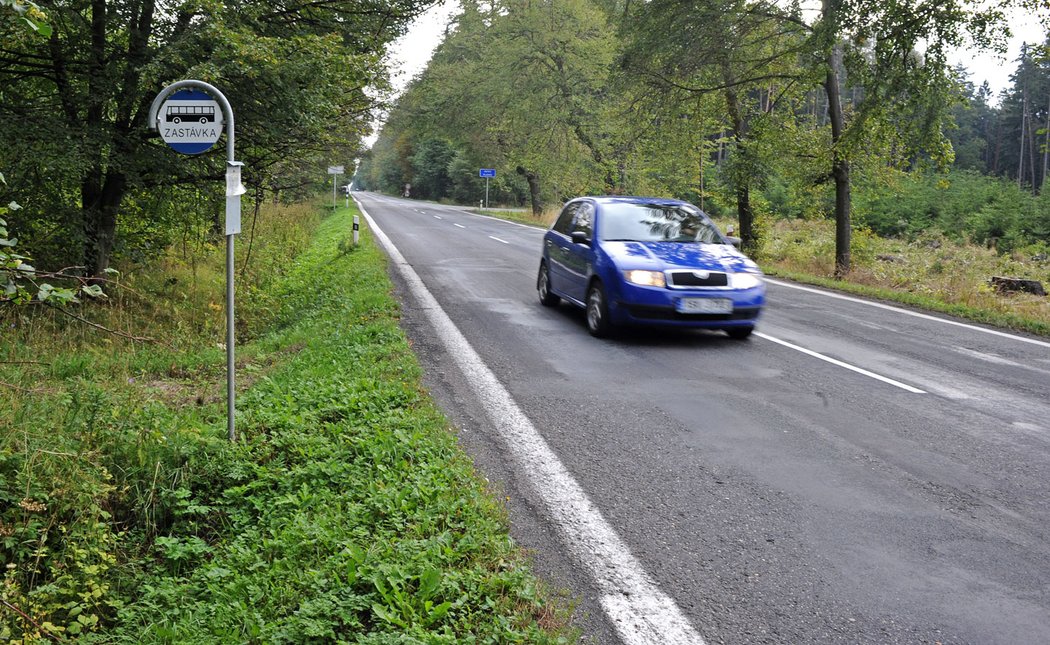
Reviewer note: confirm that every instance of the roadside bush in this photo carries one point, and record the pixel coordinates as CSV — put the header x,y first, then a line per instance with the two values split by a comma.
x,y
963,205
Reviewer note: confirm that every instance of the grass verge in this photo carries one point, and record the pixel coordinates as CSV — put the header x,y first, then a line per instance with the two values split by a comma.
x,y
346,512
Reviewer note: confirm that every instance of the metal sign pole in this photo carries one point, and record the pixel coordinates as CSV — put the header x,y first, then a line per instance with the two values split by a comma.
x,y
486,192
234,190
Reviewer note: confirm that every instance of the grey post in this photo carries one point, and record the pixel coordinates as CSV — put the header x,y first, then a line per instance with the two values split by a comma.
x,y
227,113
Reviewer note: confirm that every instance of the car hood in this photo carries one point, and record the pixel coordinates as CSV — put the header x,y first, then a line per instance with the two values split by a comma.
x,y
661,256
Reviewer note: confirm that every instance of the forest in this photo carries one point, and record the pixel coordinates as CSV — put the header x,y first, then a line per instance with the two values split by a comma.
x,y
758,111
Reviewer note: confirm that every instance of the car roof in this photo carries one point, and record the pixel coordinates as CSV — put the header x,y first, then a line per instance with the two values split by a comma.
x,y
632,199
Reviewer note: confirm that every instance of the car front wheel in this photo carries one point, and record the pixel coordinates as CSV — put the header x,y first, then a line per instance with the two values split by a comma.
x,y
597,311
543,286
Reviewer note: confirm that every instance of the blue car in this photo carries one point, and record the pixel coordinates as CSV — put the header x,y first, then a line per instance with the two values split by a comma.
x,y
648,261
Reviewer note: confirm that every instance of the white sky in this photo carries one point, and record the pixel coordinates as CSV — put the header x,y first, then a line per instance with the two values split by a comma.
x,y
413,50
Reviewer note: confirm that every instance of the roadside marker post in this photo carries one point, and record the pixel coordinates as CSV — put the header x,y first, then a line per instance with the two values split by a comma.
x,y
189,115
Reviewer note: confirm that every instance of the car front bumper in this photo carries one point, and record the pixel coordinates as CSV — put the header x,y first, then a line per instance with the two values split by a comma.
x,y
637,305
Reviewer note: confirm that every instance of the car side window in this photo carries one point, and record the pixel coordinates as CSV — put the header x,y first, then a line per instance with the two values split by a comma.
x,y
564,223
584,221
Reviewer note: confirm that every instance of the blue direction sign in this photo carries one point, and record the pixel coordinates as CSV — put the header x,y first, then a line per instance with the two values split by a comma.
x,y
190,121
486,172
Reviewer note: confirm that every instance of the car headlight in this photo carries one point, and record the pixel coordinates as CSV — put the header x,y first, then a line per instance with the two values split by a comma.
x,y
645,278
744,280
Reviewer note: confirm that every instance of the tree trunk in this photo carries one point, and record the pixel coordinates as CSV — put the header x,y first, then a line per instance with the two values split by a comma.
x,y
741,176
103,188
839,165
100,202
533,180
1020,154
1046,149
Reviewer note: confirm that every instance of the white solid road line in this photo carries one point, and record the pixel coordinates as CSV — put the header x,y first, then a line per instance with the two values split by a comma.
x,y
878,377
537,228
916,314
493,237
641,613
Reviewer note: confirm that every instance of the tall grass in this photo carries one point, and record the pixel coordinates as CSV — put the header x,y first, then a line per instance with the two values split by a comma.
x,y
345,512
931,270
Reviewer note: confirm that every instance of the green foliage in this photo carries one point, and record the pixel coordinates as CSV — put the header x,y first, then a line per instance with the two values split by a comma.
x,y
962,205
430,165
73,134
346,511
29,14
520,87
21,283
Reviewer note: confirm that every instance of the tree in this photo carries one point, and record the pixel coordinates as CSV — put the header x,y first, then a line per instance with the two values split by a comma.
x,y
1025,119
746,59
430,165
521,86
904,95
73,125
972,124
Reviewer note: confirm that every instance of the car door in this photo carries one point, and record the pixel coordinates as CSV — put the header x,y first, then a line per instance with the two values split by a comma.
x,y
557,243
579,256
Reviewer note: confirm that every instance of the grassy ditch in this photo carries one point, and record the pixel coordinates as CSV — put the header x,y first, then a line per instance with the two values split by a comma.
x,y
346,512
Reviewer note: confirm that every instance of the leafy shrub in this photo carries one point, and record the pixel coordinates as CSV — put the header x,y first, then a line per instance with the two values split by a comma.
x,y
963,205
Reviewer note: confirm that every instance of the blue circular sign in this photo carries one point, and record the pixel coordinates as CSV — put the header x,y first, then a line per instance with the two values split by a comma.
x,y
190,121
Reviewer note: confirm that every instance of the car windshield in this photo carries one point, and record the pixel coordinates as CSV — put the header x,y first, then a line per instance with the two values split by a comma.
x,y
656,223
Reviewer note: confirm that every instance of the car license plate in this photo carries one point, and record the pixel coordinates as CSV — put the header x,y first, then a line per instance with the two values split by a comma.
x,y
705,306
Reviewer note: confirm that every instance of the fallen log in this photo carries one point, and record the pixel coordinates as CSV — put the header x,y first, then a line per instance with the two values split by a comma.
x,y
1007,285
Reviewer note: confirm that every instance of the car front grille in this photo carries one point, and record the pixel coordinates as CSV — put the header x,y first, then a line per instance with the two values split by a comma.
x,y
664,313
688,279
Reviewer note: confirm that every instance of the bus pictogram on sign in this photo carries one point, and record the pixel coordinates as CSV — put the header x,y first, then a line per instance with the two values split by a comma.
x,y
190,113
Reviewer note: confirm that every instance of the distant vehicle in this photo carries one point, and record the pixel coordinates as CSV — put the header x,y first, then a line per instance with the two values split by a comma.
x,y
648,261
190,113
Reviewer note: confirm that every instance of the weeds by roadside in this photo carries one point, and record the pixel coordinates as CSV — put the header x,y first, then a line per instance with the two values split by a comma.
x,y
345,513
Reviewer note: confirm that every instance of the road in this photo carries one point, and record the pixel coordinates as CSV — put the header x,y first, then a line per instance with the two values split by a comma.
x,y
853,473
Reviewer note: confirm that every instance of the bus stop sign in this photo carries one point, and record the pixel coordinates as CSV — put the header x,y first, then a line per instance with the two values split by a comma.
x,y
190,121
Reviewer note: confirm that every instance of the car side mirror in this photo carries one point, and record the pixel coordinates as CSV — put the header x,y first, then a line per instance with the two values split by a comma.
x,y
735,241
579,237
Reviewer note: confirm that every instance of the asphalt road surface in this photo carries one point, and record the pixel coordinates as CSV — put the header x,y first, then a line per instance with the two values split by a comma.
x,y
853,473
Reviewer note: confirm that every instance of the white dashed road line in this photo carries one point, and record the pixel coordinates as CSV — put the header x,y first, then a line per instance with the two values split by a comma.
x,y
459,225
641,613
493,237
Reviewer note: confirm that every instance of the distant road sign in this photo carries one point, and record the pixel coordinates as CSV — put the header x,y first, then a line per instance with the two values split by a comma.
x,y
336,170
190,121
486,172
